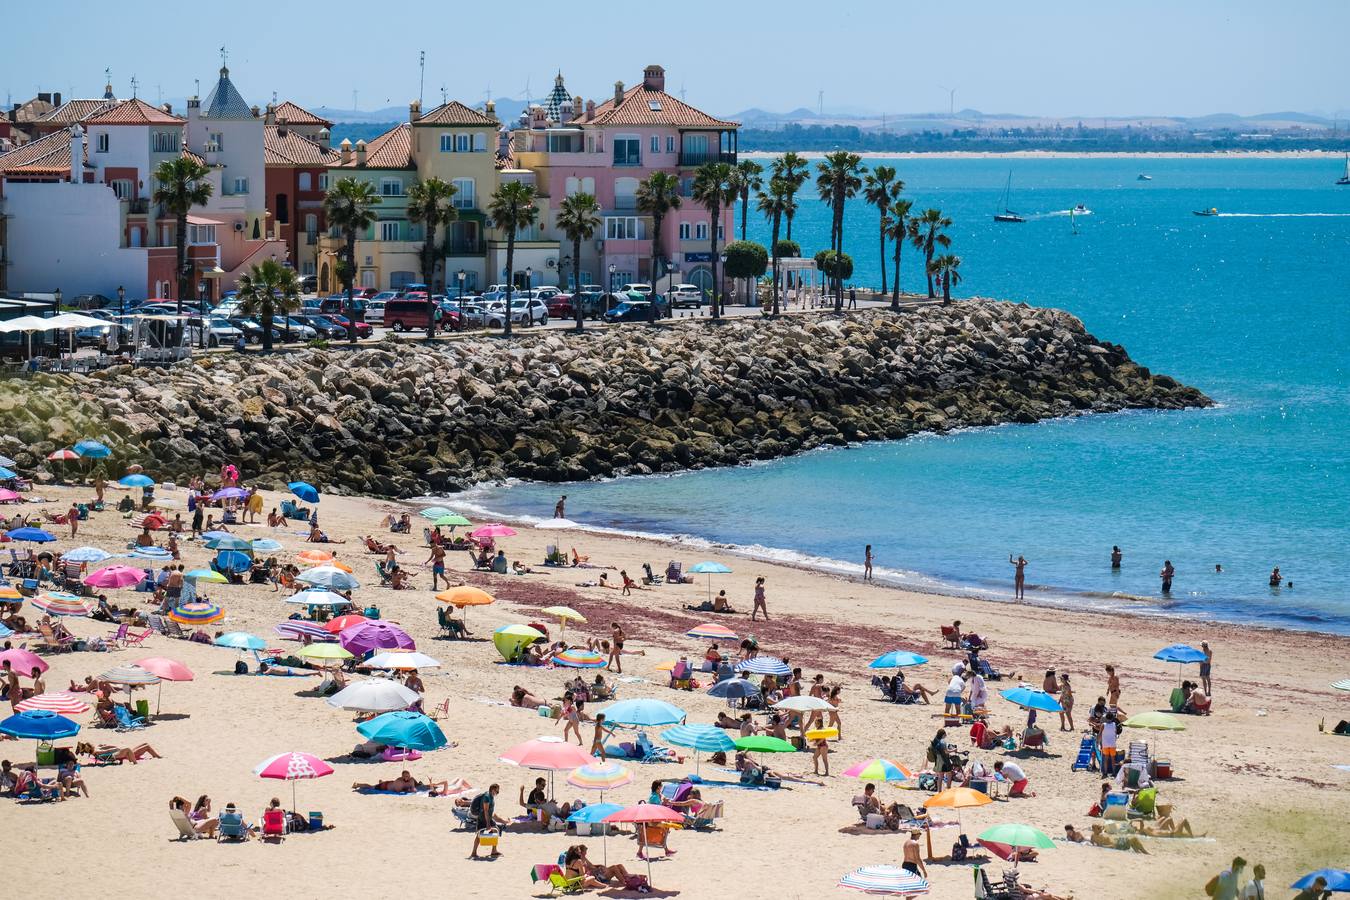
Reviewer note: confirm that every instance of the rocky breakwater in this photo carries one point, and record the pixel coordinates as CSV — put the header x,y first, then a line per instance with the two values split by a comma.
x,y
403,419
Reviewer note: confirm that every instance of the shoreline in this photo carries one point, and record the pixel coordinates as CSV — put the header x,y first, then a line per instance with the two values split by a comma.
x,y
1063,154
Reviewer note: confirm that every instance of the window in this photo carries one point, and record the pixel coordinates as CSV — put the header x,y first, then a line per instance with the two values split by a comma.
x,y
479,142
684,231
588,186
463,143
654,105
135,235
627,151
323,182
721,232
241,185
399,280
311,226
447,143
625,193
590,143
465,197
695,150
201,234
700,231
391,187
307,267
564,142
102,143
215,141
571,186
368,278
389,231
623,228
464,238
123,188
656,143
670,143
163,142
306,181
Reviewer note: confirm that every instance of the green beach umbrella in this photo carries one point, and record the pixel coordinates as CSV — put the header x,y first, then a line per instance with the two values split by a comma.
x,y
208,575
324,653
764,743
1017,835
1154,721
451,520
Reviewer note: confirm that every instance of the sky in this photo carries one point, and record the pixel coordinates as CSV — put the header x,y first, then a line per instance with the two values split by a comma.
x,y
1041,57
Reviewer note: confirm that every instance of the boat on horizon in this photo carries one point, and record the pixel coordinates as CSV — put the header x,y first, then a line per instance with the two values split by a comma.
x,y
1345,179
1143,177
1212,211
1008,215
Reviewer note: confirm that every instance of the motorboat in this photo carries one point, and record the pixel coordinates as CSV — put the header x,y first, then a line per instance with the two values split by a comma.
x,y
1143,177
1212,211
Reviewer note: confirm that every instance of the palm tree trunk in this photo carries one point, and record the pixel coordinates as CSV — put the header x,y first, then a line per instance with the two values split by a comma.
x,y
839,254
510,281
267,316
774,250
745,211
428,272
656,257
180,244
895,282
788,236
576,284
883,252
946,288
351,279
928,267
716,219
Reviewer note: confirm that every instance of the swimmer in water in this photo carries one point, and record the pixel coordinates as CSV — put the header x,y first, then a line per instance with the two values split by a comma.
x,y
1115,557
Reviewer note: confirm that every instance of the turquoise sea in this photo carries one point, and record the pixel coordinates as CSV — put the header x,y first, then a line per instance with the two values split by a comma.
x,y
1249,306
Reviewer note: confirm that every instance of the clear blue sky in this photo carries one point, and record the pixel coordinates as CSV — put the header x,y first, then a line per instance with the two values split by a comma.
x,y
1180,57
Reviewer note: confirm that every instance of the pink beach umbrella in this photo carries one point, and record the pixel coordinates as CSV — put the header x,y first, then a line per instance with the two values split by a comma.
x,y
23,661
115,577
646,814
167,670
493,531
65,455
374,635
8,496
550,754
292,767
62,702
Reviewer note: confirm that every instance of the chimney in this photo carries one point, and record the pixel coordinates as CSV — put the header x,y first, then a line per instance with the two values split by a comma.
x,y
590,110
345,151
256,112
168,108
361,153
76,153
56,99
654,78
325,138
283,126
269,114
414,110
618,92
44,98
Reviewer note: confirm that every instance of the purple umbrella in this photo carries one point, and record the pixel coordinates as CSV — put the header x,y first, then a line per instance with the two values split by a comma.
x,y
372,635
229,493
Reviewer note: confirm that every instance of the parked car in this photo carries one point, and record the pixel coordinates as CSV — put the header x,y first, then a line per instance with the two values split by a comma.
x,y
338,304
636,288
219,331
686,296
560,306
536,310
406,315
309,283
545,293
412,288
324,327
375,312
363,329
91,301
299,330
473,314
252,329
452,317
631,310
499,291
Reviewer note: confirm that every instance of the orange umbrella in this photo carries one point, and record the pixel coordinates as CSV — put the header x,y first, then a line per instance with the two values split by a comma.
x,y
957,798
465,595
314,557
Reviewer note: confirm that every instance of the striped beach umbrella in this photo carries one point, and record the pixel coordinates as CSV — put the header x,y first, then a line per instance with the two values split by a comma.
x,y
63,455
701,739
879,770
56,603
435,512
712,631
883,879
10,594
600,776
297,630
128,675
200,613
579,658
63,702
764,665
1341,685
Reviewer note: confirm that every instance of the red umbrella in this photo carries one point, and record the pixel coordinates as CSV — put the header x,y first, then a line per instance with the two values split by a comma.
x,y
341,622
646,814
63,455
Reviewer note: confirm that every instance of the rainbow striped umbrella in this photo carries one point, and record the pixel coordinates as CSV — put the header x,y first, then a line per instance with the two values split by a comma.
x,y
712,631
62,702
884,880
600,776
879,770
56,603
202,613
577,658
10,594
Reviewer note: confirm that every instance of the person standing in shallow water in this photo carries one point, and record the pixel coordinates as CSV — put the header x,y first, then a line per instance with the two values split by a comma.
x,y
867,563
1116,556
1019,577
559,508
1166,576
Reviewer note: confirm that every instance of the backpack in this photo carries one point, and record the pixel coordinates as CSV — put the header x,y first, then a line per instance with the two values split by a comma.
x,y
240,667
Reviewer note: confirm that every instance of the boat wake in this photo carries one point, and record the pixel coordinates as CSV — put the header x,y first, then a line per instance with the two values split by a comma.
x,y
1312,215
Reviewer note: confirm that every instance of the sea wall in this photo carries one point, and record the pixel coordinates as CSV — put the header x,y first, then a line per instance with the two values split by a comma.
x,y
405,419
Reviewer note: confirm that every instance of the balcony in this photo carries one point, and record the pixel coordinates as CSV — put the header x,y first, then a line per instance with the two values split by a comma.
x,y
138,207
698,159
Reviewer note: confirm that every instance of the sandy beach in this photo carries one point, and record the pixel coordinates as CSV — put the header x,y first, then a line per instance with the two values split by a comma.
x,y
1256,777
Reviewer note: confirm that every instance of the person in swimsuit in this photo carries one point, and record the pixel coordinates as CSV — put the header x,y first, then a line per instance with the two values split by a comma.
x,y
867,563
570,717
1115,557
1166,575
760,605
616,648
1019,577
1205,668
560,507
598,739
1275,577
437,560
1066,703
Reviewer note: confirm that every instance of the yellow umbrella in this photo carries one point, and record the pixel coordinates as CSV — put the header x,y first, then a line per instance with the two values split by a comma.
x,y
667,666
565,614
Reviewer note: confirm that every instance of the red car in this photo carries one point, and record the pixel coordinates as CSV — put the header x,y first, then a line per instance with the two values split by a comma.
x,y
560,306
363,330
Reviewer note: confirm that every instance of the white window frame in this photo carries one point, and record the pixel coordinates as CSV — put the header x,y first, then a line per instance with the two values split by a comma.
x,y
323,181
479,142
101,143
631,140
311,225
572,186
389,230
123,188
162,142
464,199
241,185
588,185
700,231
447,143
686,230
216,138
623,228
463,142
387,183
670,143
656,143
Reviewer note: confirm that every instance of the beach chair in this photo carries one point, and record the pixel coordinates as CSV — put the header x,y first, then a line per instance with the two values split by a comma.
x,y
1034,739
36,793
652,577
126,721
674,572
706,818
385,577
117,638
984,890
274,823
231,828
986,670
51,641
135,640
465,818
1087,756
440,710
1117,806
174,630
185,830
557,882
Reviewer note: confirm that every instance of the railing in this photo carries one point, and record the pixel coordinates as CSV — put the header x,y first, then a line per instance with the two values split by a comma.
x,y
625,203
138,207
472,247
698,159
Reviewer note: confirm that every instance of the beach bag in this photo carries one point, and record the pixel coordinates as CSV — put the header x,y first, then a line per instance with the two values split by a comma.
x,y
958,852
240,667
927,782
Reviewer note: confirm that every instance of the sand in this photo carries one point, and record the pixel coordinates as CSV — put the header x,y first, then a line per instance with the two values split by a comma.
x,y
1256,776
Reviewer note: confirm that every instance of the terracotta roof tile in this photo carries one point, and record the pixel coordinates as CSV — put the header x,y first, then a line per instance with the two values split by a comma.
x,y
47,155
293,149
294,114
133,112
196,157
391,150
636,109
73,111
456,113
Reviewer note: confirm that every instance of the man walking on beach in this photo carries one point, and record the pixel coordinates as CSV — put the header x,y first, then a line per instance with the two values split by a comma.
x,y
558,508
484,809
437,560
913,859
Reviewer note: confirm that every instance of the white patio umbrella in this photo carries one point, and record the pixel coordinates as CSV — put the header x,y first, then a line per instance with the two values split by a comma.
x,y
374,695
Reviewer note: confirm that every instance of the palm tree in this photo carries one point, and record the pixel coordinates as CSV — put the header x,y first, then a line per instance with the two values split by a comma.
x,y
578,217
747,180
773,203
897,228
793,170
182,185
837,181
926,234
266,289
348,208
512,208
429,203
879,188
657,194
945,268
713,188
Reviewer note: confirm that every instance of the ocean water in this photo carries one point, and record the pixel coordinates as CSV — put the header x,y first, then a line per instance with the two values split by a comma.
x,y
1250,306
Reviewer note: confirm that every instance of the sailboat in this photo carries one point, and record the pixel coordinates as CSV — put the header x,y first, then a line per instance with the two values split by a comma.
x,y
1345,179
1008,215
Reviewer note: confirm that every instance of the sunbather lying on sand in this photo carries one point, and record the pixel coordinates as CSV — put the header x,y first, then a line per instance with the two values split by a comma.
x,y
523,698
1115,842
403,784
132,755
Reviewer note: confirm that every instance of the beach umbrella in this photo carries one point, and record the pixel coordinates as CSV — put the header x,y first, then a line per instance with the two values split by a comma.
x,y
329,577
465,595
167,670
511,639
56,603
5,631
23,661
65,455
600,775
136,481
883,879
551,754
593,814
265,545
212,535
897,659
579,658
333,626
700,739
314,557
324,653
62,702
712,631
1031,698
734,689
129,675
803,703
299,629
404,728
304,490
710,569
405,660
1338,880
236,561
957,798
8,496
646,814
240,640
10,594
86,554
494,530
229,541
199,613
1341,685
1155,721
764,665
156,554
92,449
1016,835
35,535
564,615
115,577
40,725
1181,654
435,512
229,493
374,695
764,743
375,635
318,597
450,521
879,770
6,474
643,712
292,767
6,461
207,576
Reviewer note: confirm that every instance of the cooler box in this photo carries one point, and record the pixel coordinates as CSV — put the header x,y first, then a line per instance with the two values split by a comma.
x,y
1162,769
316,821
46,754
143,708
488,837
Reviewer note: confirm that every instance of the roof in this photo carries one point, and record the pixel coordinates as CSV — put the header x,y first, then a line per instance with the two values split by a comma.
x,y
73,111
196,157
46,156
391,150
294,114
133,112
293,149
456,113
636,108
553,103
225,101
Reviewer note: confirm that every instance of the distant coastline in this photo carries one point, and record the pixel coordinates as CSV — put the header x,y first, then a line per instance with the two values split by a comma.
x,y
1062,154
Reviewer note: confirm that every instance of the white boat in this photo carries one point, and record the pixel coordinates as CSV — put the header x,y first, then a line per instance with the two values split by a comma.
x,y
1143,177
1345,179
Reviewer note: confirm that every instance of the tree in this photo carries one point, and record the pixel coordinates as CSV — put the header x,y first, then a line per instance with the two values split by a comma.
x,y
429,203
713,188
897,228
787,249
773,203
879,188
266,289
793,170
946,268
182,185
578,217
926,234
512,208
745,259
837,181
657,194
746,179
834,265
348,208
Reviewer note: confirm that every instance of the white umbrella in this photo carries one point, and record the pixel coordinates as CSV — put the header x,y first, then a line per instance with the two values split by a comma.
x,y
401,659
374,695
803,704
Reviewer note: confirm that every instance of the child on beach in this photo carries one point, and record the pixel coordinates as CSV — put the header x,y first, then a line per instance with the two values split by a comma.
x,y
598,739
570,717
820,755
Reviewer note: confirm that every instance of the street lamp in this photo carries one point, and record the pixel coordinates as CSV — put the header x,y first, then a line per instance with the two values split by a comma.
x,y
460,277
201,300
608,297
56,297
122,300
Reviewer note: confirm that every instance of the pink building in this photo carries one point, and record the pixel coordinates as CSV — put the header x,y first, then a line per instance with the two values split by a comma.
x,y
607,149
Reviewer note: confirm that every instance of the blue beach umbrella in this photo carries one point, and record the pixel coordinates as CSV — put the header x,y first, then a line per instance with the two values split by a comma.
x,y
136,481
91,449
596,812
329,577
1031,698
233,561
6,461
39,725
86,554
7,474
5,631
764,665
212,535
710,569
404,728
1181,654
266,545
305,491
700,739
157,554
734,689
1337,880
897,659
643,713
240,640
435,512
229,542
36,535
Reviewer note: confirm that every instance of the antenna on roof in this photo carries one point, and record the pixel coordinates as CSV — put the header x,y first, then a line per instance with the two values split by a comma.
x,y
820,103
444,97
274,98
681,91
107,74
354,93
133,87
422,78
224,56
197,83
159,95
